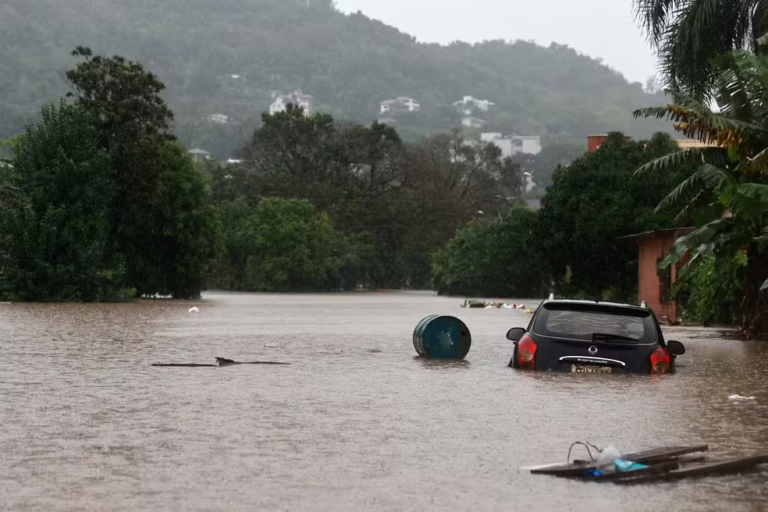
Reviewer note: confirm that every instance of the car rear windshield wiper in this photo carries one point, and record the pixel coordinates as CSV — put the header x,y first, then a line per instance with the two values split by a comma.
x,y
599,336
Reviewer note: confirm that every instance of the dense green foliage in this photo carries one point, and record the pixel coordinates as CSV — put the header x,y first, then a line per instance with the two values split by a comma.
x,y
711,290
283,245
133,124
184,230
493,259
228,56
392,203
97,203
55,225
727,198
294,248
596,201
690,35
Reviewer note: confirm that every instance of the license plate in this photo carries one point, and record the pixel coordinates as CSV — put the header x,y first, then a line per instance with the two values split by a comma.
x,y
584,368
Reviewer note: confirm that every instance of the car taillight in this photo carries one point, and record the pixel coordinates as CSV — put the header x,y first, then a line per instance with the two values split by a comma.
x,y
526,353
660,361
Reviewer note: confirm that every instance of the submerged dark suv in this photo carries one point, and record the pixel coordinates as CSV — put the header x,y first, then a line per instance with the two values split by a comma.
x,y
593,337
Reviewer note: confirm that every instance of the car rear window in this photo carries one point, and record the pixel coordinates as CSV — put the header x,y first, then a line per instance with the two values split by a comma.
x,y
585,321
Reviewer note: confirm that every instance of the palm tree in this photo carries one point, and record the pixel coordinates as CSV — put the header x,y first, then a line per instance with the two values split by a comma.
x,y
688,34
727,198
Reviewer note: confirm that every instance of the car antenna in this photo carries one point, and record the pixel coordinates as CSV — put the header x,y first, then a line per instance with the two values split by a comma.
x,y
551,296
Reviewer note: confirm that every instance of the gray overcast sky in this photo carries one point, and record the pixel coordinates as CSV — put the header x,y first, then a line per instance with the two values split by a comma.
x,y
598,28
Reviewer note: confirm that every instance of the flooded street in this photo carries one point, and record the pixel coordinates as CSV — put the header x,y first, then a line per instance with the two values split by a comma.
x,y
357,422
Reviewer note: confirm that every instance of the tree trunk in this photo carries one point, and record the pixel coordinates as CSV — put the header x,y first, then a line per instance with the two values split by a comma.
x,y
754,306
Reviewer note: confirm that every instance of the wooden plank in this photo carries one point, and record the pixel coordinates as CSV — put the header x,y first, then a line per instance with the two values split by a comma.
x,y
714,468
663,454
187,365
650,470
648,457
220,361
229,362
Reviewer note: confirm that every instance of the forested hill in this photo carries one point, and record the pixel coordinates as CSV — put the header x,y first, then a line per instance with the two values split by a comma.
x,y
227,56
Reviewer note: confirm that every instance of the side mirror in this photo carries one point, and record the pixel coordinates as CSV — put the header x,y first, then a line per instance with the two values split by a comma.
x,y
676,348
515,334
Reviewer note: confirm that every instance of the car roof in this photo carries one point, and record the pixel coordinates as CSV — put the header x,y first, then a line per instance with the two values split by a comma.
x,y
596,303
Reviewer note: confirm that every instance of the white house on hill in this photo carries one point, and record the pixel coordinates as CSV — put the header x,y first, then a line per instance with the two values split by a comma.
x,y
199,155
281,101
218,119
511,145
401,104
468,105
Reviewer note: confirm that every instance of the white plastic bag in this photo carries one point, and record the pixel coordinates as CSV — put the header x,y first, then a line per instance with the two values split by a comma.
x,y
605,462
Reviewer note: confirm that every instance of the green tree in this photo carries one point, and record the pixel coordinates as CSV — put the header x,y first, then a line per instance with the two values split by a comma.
x,y
185,228
394,203
689,34
229,270
133,123
449,183
711,289
55,224
727,198
295,248
353,173
496,259
596,201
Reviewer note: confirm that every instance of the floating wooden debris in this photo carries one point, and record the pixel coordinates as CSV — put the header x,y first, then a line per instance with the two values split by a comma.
x,y
183,365
648,457
660,465
230,362
220,361
725,467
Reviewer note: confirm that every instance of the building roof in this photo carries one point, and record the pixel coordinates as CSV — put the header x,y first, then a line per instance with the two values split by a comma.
x,y
401,99
292,95
198,151
637,236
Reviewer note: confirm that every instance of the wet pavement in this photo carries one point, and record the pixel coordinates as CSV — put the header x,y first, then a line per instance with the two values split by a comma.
x,y
357,422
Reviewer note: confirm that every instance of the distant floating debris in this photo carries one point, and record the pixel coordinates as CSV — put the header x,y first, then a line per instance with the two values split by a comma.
x,y
479,304
220,362
194,310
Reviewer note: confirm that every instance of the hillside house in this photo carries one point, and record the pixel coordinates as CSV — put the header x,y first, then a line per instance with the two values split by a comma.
x,y
469,105
199,155
401,104
218,119
528,144
297,98
511,145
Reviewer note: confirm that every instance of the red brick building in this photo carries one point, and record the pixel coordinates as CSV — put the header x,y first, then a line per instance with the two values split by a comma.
x,y
594,142
654,285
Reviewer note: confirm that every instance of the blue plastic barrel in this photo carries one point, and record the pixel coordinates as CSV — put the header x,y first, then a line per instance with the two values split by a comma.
x,y
442,337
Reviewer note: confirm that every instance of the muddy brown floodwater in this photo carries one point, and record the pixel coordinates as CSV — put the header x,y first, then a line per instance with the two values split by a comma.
x,y
355,423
